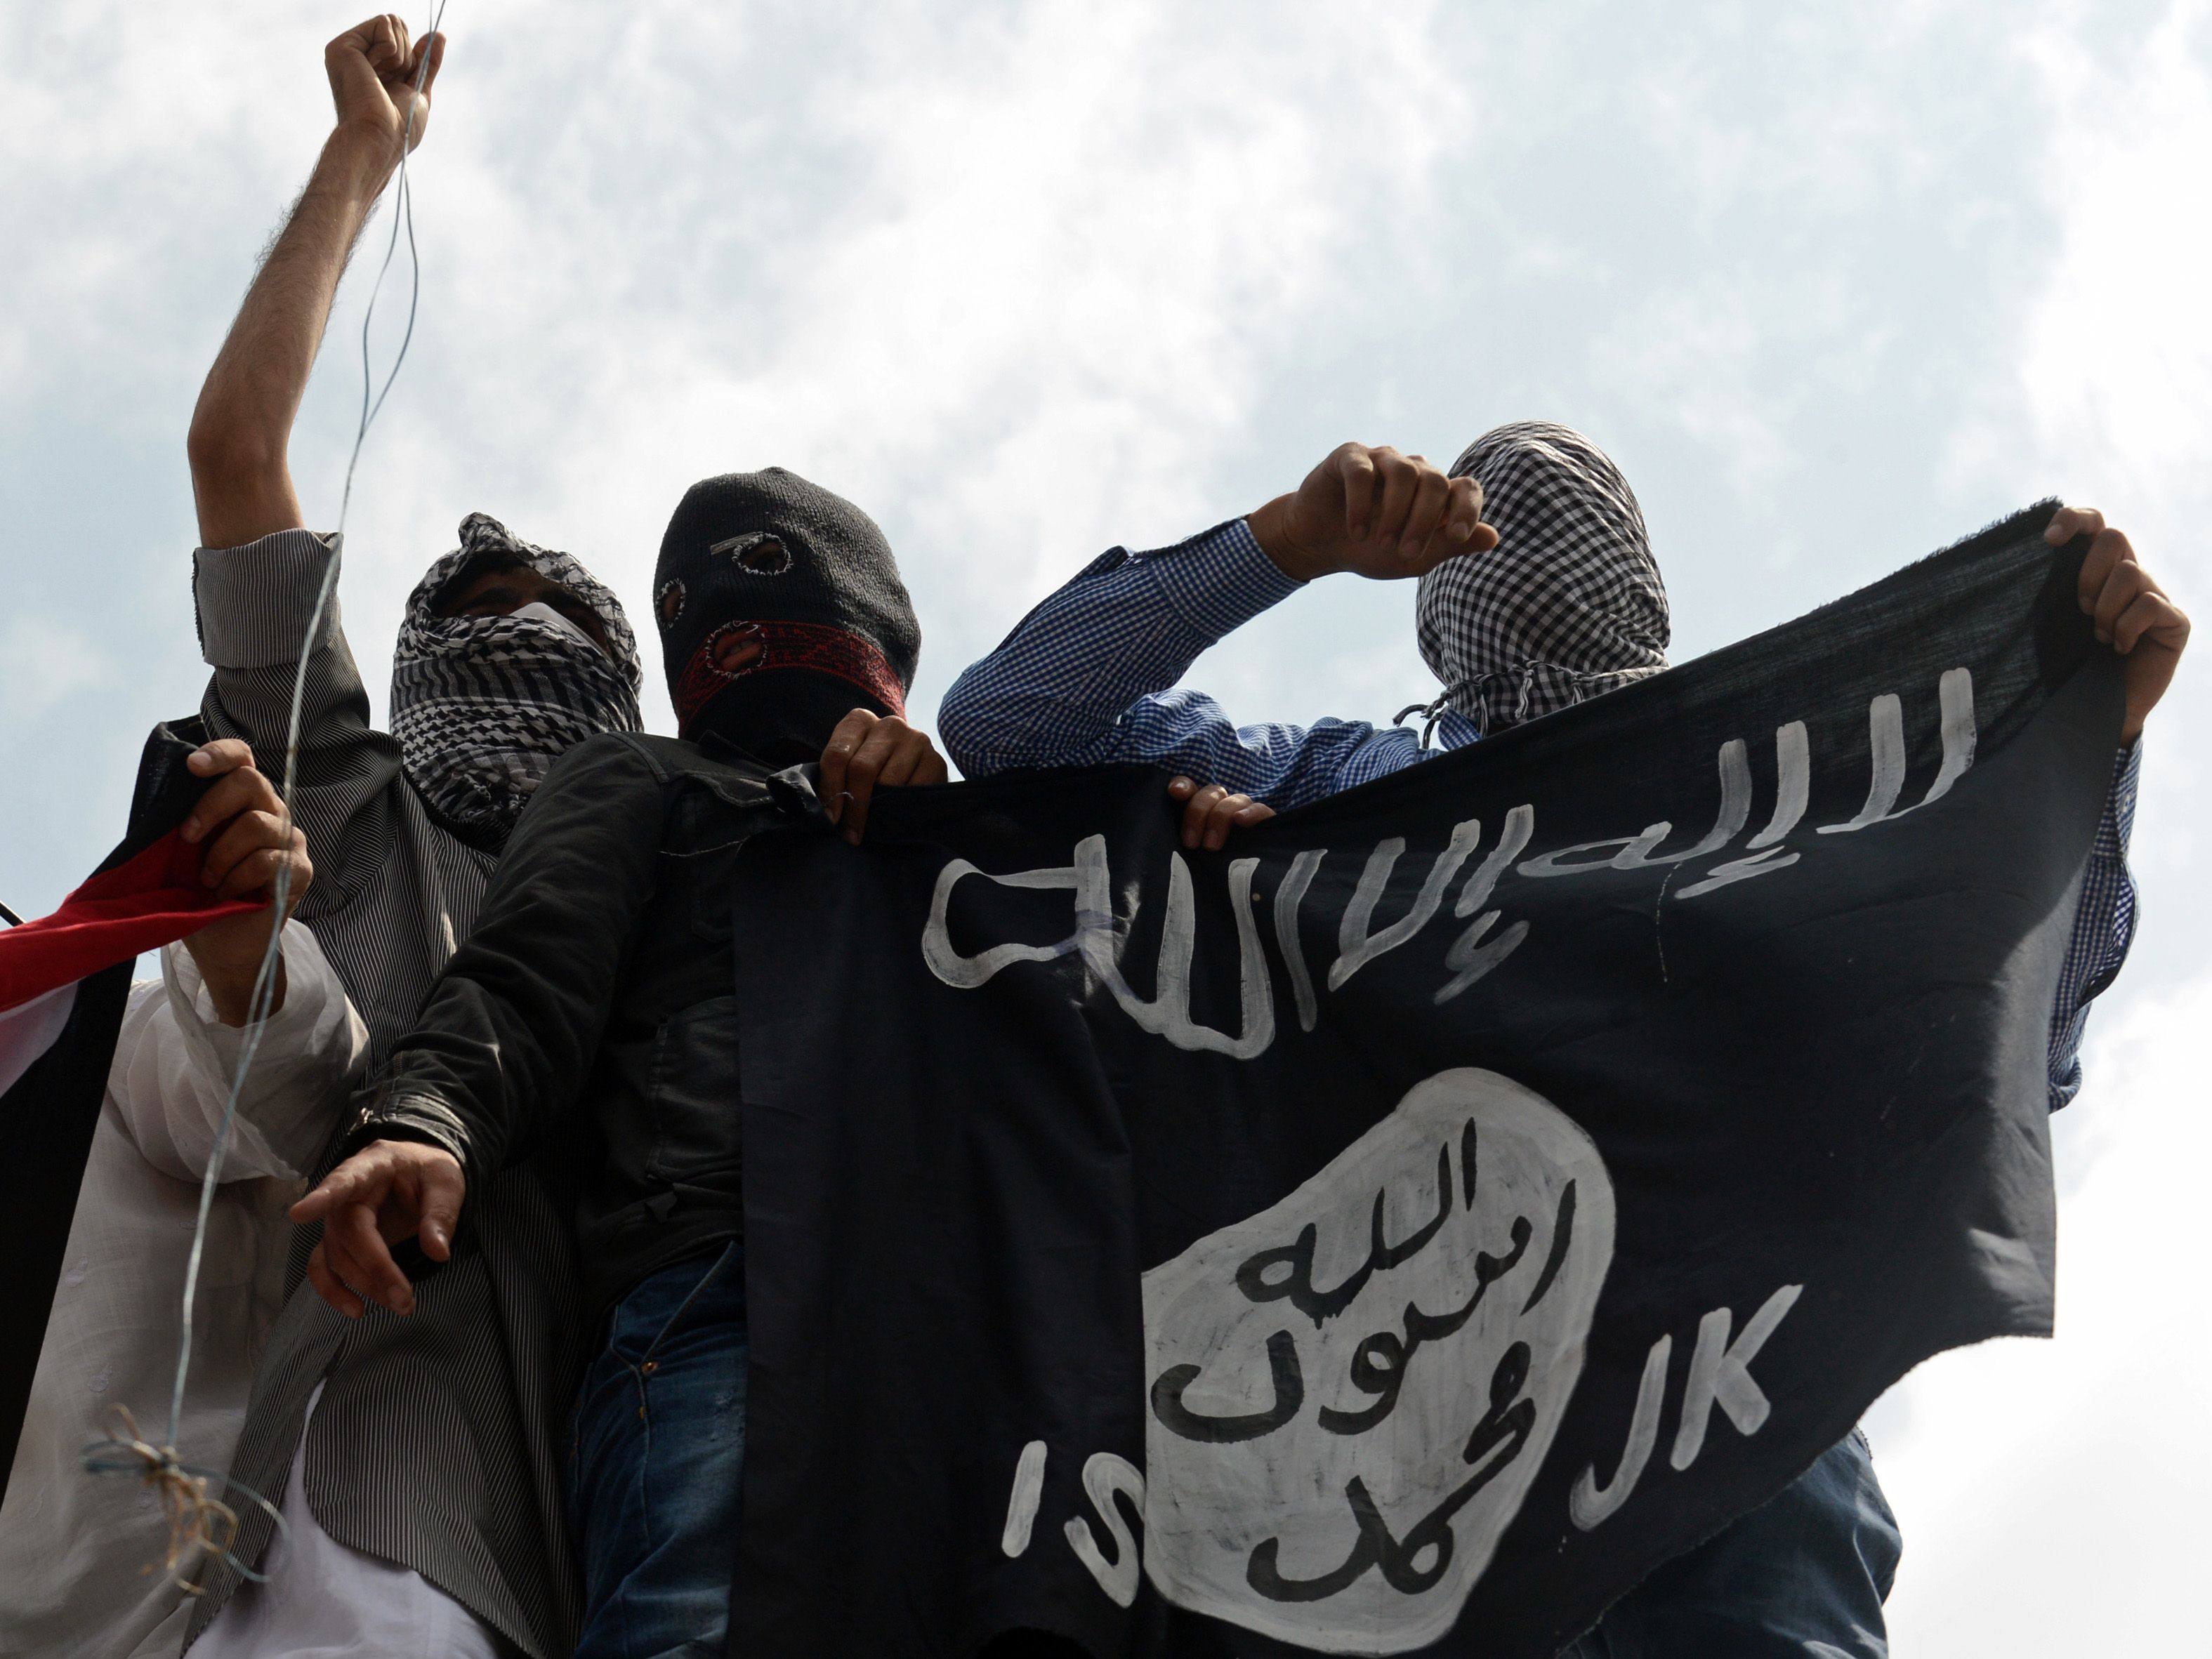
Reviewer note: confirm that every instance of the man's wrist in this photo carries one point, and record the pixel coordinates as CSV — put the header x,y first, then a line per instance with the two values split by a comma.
x,y
358,160
1271,528
230,988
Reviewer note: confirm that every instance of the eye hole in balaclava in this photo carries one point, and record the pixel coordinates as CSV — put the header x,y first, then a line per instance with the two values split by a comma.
x,y
790,614
758,554
1568,606
482,706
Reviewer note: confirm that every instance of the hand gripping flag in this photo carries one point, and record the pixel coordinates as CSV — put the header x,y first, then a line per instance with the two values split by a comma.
x,y
63,981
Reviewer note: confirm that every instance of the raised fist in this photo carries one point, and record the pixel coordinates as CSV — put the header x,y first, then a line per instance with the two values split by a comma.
x,y
1370,509
374,71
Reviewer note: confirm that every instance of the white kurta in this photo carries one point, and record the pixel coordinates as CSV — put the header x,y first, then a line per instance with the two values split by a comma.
x,y
74,1547
324,1600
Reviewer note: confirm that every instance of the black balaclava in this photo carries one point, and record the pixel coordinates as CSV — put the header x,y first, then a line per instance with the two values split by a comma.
x,y
769,557
482,706
1567,606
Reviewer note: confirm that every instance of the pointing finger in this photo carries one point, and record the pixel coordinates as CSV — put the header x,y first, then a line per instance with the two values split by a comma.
x,y
336,1188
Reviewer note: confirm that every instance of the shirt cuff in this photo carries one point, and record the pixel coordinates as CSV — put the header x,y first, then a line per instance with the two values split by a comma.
x,y
416,1116
2117,826
1218,579
253,602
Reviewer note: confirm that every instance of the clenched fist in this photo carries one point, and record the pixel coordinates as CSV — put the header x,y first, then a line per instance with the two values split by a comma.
x,y
374,74
250,842
1372,510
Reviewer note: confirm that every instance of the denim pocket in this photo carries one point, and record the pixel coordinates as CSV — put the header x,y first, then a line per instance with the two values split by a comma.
x,y
705,1289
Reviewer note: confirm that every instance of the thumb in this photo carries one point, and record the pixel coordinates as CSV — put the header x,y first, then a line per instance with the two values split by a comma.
x,y
433,47
1441,547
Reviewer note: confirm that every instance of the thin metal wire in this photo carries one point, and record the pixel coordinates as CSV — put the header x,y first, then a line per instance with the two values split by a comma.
x,y
184,1488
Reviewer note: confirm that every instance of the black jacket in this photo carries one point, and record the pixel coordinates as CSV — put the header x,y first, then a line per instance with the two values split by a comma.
x,y
591,1011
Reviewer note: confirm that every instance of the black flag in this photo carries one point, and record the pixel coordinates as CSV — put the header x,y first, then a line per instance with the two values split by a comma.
x,y
1405,1228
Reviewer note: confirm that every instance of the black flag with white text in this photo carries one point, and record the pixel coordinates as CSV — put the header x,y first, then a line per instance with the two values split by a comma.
x,y
1403,1230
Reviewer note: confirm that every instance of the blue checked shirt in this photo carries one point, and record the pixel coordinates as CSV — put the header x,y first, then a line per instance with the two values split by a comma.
x,y
1084,678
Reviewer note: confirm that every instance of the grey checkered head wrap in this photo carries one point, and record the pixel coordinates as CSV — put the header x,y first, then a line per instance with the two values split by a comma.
x,y
482,706
1569,603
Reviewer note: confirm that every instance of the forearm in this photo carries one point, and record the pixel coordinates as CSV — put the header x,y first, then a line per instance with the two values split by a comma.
x,y
180,1064
242,423
1055,691
229,984
510,1029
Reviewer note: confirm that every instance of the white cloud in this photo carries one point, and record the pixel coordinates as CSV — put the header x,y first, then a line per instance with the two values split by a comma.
x,y
49,661
2111,401
1011,284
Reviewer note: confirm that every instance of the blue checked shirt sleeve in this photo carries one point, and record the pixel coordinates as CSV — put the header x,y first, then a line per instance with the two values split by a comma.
x,y
1083,679
2104,926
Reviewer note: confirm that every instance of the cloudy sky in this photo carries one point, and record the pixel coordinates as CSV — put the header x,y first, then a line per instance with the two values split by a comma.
x,y
1027,281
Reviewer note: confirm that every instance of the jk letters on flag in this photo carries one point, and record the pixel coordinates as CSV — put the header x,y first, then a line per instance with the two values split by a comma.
x,y
1407,1228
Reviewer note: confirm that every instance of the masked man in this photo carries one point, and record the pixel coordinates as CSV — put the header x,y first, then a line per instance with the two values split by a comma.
x,y
417,1461
1555,600
593,1005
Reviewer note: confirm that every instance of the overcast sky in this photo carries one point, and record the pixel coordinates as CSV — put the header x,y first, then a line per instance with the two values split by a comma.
x,y
1025,281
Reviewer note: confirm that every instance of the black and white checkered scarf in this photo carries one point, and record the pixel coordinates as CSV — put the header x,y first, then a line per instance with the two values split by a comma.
x,y
1569,603
482,706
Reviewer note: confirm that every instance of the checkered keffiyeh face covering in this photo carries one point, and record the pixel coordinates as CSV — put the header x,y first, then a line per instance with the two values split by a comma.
x,y
482,706
1569,603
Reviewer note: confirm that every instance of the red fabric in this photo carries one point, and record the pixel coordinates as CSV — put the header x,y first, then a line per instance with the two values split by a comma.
x,y
838,652
150,900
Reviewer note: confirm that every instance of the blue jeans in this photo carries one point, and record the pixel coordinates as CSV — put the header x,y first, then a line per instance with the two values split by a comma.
x,y
659,1450
1802,1576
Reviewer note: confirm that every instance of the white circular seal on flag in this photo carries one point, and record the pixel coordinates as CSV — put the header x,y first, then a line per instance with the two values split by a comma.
x,y
1349,1394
